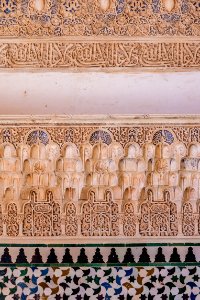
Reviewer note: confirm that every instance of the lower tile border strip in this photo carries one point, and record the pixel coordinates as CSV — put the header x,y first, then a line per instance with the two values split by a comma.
x,y
95,265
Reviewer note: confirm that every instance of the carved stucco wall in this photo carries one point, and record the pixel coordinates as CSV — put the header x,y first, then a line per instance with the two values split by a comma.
x,y
120,34
85,181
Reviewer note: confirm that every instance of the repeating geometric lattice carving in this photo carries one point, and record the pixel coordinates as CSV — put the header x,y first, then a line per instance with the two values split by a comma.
x,y
100,216
129,220
71,226
42,218
158,218
12,224
188,221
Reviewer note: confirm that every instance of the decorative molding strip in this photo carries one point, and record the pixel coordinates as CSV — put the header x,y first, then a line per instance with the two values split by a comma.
x,y
99,120
100,255
119,55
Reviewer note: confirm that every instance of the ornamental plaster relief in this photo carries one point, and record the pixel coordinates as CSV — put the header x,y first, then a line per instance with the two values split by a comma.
x,y
125,18
86,181
125,34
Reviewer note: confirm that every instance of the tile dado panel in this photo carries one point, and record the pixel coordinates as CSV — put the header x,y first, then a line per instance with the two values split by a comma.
x,y
89,182
97,271
104,283
113,34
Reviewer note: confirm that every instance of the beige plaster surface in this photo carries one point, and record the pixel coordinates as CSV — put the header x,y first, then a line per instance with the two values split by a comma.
x,y
26,93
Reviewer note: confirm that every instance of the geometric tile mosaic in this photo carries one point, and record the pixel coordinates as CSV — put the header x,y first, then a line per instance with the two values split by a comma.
x,y
98,272
159,283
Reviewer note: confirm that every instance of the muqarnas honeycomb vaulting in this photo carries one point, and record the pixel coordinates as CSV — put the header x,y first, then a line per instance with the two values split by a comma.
x,y
85,181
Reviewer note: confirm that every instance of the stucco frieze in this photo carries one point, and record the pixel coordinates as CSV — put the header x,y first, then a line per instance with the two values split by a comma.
x,y
102,34
100,181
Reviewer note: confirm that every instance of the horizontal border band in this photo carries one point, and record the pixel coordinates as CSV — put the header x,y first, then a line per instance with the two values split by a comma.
x,y
157,264
116,245
121,55
43,120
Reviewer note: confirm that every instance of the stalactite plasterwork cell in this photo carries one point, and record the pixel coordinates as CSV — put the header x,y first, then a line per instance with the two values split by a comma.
x,y
134,181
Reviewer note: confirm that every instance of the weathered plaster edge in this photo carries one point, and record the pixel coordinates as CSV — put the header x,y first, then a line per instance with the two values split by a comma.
x,y
98,240
100,119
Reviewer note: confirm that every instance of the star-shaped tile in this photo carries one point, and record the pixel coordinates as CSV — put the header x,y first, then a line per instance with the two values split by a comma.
x,y
186,297
89,279
37,297
153,278
26,279
100,297
143,297
174,278
111,279
195,277
58,297
16,297
121,297
131,278
48,279
5,279
78,297
68,279
164,297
